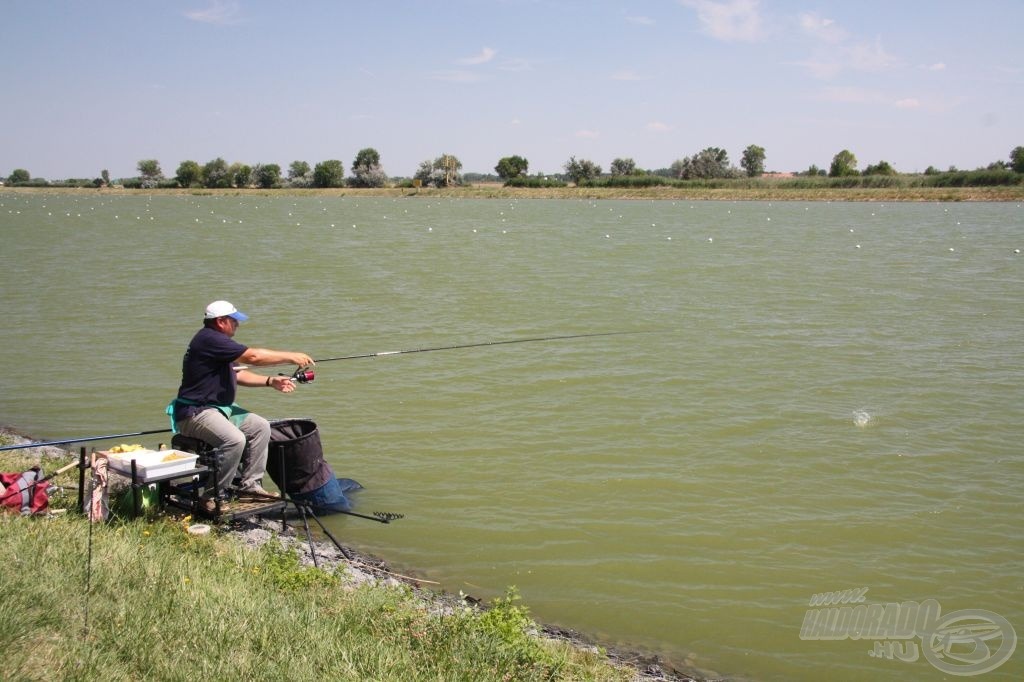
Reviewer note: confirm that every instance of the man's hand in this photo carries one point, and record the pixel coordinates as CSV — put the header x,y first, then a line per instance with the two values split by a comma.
x,y
302,360
283,384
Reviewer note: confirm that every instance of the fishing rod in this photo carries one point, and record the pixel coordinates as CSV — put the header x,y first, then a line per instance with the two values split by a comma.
x,y
83,439
305,376
480,345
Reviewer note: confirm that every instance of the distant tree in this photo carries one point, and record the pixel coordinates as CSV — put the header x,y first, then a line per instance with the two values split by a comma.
x,y
267,175
216,174
241,174
441,172
844,163
151,174
511,167
753,161
329,174
931,170
189,173
814,171
997,166
622,166
446,168
366,169
424,172
365,158
880,168
18,175
711,162
581,171
298,169
1017,160
105,177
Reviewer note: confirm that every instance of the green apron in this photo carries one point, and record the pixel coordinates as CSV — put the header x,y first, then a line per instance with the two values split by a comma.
x,y
235,412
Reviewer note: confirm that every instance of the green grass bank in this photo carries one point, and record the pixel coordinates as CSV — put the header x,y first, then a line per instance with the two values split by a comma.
x,y
145,599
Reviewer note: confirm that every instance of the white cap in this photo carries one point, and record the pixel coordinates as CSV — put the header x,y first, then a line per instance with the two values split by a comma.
x,y
224,309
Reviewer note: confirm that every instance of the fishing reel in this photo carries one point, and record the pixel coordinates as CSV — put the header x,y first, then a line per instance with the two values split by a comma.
x,y
300,376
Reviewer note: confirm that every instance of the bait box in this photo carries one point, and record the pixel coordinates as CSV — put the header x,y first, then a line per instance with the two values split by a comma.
x,y
151,464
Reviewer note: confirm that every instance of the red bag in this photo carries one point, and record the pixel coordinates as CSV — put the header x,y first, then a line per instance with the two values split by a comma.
x,y
24,492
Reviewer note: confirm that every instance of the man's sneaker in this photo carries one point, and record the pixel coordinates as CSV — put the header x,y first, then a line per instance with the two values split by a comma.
x,y
209,505
256,492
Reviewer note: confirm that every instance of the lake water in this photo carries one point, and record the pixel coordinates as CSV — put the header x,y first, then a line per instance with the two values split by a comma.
x,y
827,396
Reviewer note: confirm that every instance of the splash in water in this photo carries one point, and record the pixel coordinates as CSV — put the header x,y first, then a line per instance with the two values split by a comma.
x,y
862,418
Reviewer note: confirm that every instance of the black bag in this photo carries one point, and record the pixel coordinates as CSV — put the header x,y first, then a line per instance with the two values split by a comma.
x,y
295,457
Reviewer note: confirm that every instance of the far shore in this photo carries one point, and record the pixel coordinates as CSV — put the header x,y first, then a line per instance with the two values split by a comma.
x,y
499,191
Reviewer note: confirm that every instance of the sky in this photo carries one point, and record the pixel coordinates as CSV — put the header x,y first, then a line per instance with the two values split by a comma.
x,y
88,86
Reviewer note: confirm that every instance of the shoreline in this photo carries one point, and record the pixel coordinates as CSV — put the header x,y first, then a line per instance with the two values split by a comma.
x,y
498,191
364,568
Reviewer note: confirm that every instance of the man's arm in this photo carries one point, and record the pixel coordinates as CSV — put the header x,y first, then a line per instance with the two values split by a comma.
x,y
264,357
252,379
261,357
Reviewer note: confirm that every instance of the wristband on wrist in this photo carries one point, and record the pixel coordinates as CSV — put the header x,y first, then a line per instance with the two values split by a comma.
x,y
268,381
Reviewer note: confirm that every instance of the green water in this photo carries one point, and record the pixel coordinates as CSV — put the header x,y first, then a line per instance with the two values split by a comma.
x,y
833,398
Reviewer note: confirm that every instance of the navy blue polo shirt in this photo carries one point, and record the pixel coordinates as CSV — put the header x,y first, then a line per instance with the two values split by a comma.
x,y
207,372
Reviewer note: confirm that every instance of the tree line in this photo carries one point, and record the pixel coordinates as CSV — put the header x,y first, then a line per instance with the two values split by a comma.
x,y
711,163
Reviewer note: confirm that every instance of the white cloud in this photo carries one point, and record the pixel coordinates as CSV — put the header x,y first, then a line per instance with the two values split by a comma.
x,y
908,103
659,127
587,134
937,66
821,28
728,20
220,12
828,63
486,55
870,57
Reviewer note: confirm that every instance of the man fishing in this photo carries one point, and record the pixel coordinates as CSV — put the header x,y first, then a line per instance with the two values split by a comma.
x,y
205,406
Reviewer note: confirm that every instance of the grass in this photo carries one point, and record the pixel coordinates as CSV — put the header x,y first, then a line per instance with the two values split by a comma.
x,y
155,602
